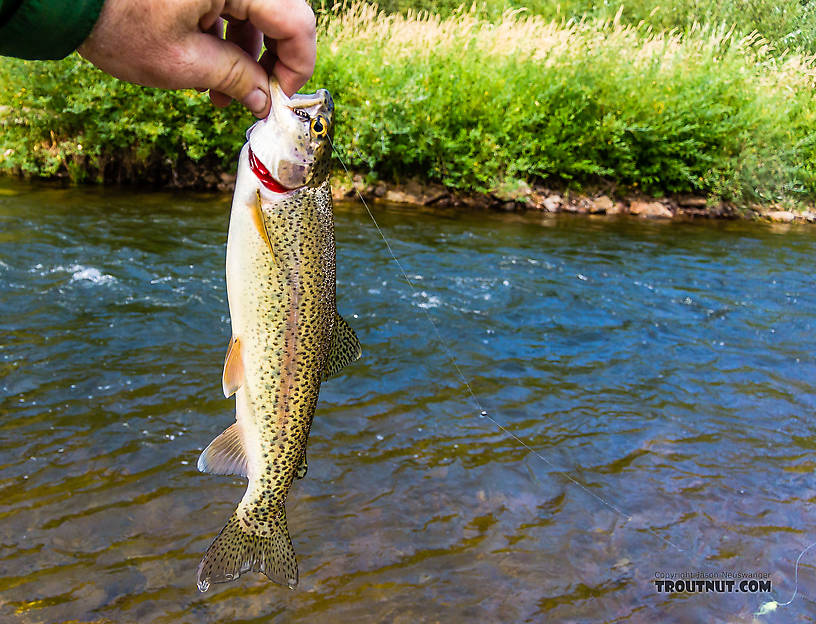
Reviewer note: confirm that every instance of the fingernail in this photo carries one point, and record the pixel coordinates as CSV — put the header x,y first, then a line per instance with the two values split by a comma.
x,y
256,102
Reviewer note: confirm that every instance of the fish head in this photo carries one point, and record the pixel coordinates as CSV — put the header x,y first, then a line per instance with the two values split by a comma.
x,y
294,142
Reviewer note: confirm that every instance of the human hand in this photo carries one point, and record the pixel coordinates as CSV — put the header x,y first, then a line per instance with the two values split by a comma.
x,y
176,44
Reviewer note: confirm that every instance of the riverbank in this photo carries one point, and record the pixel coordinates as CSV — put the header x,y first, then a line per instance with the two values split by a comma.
x,y
600,201
566,105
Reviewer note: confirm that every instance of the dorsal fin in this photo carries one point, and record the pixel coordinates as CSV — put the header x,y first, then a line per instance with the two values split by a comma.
x,y
345,348
225,454
233,376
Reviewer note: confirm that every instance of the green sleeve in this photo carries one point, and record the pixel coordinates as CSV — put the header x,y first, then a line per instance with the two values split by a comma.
x,y
45,29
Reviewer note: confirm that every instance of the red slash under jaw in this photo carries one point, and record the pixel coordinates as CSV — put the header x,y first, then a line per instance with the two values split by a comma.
x,y
262,173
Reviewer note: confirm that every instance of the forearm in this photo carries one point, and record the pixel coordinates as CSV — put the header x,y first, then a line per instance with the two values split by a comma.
x,y
45,29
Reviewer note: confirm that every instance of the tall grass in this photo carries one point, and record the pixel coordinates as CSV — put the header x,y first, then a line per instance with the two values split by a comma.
x,y
786,24
469,102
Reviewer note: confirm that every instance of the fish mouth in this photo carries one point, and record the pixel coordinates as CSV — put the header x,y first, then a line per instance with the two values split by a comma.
x,y
264,177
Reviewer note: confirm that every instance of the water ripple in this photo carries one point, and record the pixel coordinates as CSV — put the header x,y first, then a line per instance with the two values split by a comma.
x,y
669,368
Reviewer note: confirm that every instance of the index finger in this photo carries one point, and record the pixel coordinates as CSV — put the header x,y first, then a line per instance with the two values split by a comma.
x,y
291,23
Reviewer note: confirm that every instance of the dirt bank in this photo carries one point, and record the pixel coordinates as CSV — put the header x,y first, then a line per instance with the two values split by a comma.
x,y
603,201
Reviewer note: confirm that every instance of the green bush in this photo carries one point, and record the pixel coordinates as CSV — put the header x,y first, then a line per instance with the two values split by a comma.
x,y
67,118
466,101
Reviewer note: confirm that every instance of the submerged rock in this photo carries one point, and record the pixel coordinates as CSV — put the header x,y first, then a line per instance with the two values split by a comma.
x,y
652,210
580,204
400,197
602,205
780,216
690,201
552,203
617,208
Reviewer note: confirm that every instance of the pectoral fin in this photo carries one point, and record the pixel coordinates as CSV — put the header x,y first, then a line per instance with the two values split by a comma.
x,y
345,347
225,454
233,376
260,224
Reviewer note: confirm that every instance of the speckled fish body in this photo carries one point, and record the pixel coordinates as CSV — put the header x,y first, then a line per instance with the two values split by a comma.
x,y
286,333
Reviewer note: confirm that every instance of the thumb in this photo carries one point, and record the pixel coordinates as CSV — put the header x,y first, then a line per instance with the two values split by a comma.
x,y
224,67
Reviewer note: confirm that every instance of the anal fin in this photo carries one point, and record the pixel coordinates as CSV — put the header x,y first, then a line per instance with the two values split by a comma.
x,y
345,347
225,455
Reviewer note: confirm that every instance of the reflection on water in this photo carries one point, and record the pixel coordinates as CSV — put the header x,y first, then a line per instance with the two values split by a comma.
x,y
669,368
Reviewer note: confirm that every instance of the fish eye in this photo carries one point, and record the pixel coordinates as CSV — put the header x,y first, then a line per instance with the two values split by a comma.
x,y
301,113
319,126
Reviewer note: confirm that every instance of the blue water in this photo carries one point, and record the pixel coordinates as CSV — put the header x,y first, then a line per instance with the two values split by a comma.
x,y
659,378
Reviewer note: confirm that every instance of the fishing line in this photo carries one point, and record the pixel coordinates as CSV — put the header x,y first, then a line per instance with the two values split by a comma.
x,y
478,404
772,605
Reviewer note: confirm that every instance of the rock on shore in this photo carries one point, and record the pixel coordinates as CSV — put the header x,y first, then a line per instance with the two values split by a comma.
x,y
523,197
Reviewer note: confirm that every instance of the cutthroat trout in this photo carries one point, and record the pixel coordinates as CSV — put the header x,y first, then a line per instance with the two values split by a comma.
x,y
286,333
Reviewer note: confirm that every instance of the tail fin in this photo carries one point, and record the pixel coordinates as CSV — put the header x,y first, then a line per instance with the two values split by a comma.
x,y
236,551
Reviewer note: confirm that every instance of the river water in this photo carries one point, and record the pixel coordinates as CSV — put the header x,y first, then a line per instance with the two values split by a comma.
x,y
660,379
